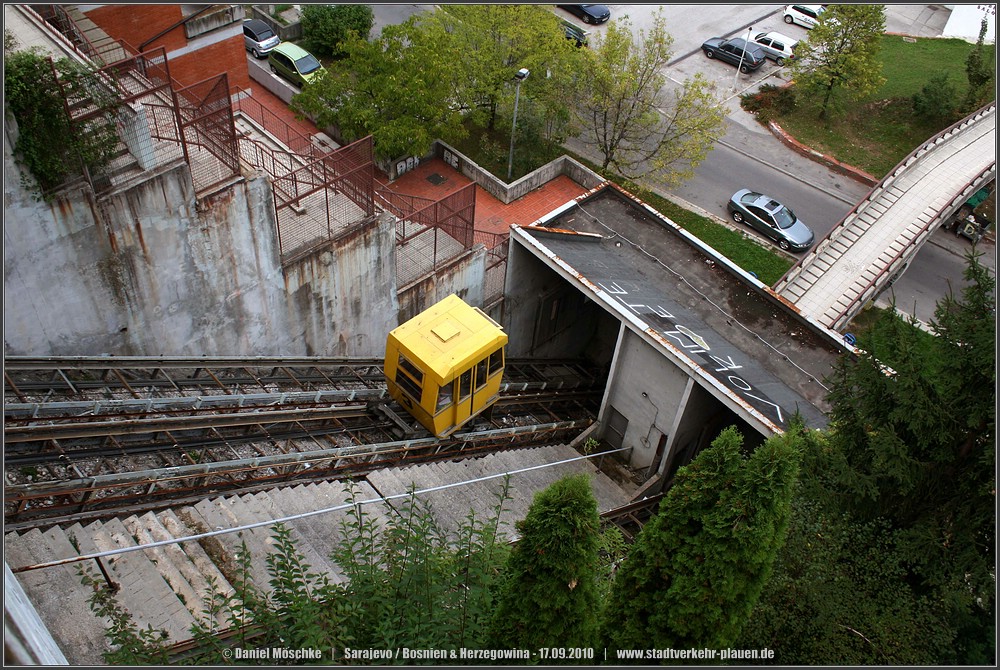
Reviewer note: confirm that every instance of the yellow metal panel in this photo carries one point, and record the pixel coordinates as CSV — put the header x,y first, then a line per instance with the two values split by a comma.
x,y
447,338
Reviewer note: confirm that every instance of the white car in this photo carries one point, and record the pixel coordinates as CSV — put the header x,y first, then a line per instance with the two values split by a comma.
x,y
806,16
776,46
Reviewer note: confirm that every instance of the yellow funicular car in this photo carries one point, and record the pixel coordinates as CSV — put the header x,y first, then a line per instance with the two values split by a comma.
x,y
445,365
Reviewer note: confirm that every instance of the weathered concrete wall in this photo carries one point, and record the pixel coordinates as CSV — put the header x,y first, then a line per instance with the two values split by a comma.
x,y
464,276
506,193
342,298
150,271
143,271
543,315
647,389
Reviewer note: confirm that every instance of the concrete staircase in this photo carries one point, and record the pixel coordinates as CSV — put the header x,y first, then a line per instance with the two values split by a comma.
x,y
166,587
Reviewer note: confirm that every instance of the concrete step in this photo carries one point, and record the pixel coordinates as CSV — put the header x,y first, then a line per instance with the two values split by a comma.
x,y
143,590
320,532
167,563
218,514
175,565
57,594
195,553
265,504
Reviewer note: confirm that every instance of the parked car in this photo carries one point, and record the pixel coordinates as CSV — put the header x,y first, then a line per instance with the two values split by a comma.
x,y
747,56
258,38
806,16
770,217
294,64
589,13
777,46
575,33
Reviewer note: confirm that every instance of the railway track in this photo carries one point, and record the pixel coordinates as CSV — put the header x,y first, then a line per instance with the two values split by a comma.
x,y
86,437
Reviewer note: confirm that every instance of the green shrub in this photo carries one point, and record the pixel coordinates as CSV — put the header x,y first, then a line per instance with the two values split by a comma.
x,y
769,102
938,100
49,144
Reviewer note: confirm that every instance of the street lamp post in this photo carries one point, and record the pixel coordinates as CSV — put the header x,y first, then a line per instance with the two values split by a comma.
x,y
743,53
520,76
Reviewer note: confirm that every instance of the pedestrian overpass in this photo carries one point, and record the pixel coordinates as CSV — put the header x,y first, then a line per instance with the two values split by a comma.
x,y
863,253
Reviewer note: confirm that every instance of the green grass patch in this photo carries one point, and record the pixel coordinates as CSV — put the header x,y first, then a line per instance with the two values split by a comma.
x,y
879,131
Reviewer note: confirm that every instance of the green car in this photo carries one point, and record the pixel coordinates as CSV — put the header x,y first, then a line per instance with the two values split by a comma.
x,y
294,64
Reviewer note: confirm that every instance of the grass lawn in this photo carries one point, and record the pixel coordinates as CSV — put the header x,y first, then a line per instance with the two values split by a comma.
x,y
876,133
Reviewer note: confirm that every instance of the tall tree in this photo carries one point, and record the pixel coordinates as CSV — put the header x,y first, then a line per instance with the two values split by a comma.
x,y
839,596
981,72
327,27
627,115
697,568
550,598
489,43
841,53
915,442
362,95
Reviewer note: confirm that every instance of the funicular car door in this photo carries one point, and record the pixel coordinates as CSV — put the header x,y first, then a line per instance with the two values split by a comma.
x,y
463,397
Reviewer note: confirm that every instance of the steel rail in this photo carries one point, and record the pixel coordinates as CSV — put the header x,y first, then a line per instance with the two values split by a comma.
x,y
84,408
105,495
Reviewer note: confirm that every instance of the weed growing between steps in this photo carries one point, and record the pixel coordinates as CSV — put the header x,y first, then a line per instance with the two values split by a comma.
x,y
409,584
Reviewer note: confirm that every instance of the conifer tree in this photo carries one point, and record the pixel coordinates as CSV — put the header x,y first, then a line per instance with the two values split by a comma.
x,y
550,598
697,568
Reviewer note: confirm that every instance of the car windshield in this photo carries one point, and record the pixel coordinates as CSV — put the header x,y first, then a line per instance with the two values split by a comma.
x,y
307,64
264,35
782,215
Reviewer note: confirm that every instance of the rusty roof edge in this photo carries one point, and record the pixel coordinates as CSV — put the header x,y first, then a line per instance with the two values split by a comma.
x,y
639,326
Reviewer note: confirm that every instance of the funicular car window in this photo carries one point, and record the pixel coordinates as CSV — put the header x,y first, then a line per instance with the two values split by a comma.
x,y
444,396
481,377
409,378
496,361
465,385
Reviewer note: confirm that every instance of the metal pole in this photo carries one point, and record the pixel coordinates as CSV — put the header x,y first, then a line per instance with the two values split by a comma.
x,y
743,53
513,128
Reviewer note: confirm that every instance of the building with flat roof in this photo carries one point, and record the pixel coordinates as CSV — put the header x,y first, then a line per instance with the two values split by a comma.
x,y
693,343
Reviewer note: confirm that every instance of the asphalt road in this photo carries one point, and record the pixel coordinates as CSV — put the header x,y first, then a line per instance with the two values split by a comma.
x,y
749,156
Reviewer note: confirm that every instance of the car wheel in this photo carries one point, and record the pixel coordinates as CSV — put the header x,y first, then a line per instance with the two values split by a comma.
x,y
737,217
255,53
779,60
785,246
745,69
587,19
709,53
789,20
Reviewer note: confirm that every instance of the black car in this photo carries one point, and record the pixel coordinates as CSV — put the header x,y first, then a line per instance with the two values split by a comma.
x,y
770,217
747,56
589,13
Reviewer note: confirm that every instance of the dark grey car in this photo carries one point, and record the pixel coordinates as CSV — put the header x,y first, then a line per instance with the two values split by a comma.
x,y
770,217
589,13
747,56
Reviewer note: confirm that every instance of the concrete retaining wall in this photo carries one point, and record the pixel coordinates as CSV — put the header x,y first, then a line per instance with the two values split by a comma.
x,y
465,276
342,299
148,271
508,193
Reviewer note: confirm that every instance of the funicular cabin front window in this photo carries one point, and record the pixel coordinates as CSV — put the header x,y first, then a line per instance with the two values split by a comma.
x,y
496,361
409,378
444,397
